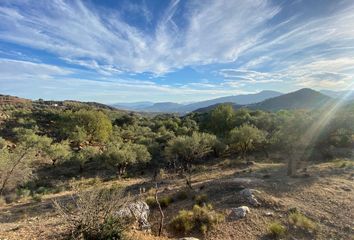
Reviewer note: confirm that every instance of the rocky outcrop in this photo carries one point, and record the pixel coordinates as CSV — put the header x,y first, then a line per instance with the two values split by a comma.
x,y
238,213
136,212
248,195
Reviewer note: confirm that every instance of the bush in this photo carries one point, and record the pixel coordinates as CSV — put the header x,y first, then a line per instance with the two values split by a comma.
x,y
92,215
299,220
164,201
151,201
276,229
201,219
201,199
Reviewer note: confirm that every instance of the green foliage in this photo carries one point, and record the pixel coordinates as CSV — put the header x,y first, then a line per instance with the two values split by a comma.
x,y
299,220
276,229
58,151
188,149
84,155
201,219
221,119
245,138
120,156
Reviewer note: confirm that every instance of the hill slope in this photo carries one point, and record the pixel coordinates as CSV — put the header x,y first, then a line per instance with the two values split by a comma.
x,y
302,99
237,99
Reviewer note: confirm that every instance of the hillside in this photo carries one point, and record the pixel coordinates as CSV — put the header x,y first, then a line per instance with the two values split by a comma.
x,y
302,99
169,107
237,99
14,101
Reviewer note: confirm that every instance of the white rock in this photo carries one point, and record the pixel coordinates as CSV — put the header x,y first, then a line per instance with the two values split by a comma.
x,y
240,212
137,211
247,194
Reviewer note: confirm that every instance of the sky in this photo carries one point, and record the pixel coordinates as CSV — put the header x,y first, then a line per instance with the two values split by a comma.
x,y
114,51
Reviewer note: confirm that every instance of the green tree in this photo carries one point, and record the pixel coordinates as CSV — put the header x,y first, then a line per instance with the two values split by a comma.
x,y
185,150
15,164
221,119
245,138
292,138
120,156
58,151
84,155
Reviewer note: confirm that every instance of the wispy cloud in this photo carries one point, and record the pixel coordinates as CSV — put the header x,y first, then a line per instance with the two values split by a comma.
x,y
215,31
26,70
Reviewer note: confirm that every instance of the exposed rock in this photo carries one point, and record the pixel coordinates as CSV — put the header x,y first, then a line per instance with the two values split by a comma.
x,y
137,211
247,194
237,213
269,214
188,238
345,188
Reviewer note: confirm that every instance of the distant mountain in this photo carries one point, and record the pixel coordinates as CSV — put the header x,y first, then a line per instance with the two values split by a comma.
x,y
237,99
169,107
346,95
163,107
133,106
305,98
302,99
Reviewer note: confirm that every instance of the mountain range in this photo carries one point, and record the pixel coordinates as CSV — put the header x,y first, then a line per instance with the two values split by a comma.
x,y
185,108
266,100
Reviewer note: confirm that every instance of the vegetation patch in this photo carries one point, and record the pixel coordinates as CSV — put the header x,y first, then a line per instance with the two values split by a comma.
x,y
276,229
299,220
200,219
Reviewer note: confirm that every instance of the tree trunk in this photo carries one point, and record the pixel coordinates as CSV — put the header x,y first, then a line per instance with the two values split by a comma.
x,y
162,216
9,173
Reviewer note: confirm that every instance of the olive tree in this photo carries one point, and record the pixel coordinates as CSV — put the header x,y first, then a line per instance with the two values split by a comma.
x,y
185,150
16,163
121,156
84,155
244,138
58,151
292,138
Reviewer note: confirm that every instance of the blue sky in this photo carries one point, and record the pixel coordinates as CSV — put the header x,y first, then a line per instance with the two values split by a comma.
x,y
149,50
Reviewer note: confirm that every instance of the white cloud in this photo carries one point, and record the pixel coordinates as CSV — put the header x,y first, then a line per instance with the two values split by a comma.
x,y
215,31
15,69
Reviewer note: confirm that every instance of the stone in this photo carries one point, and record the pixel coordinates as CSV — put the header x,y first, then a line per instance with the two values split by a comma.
x,y
237,213
136,211
247,194
188,238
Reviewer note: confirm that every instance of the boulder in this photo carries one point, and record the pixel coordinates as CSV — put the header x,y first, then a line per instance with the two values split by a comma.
x,y
237,213
188,238
247,194
136,211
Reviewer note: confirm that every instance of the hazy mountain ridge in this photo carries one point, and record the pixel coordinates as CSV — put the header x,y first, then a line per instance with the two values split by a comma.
x,y
301,99
185,108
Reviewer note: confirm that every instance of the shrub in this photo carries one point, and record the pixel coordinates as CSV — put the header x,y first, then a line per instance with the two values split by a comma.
x,y
276,229
151,201
165,201
201,199
92,215
201,219
299,220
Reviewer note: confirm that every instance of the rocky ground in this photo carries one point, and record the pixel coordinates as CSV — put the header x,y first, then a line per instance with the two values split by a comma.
x,y
322,192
